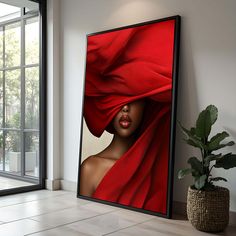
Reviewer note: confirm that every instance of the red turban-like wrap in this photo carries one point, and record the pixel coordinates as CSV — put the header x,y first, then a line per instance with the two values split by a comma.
x,y
123,66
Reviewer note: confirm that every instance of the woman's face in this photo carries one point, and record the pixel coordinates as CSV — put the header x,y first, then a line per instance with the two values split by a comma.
x,y
128,119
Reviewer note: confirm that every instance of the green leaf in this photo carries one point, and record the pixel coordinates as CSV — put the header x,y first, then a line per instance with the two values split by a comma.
x,y
200,182
196,165
215,140
192,140
186,132
227,161
218,179
213,113
203,124
231,143
195,143
182,173
210,158
193,131
219,137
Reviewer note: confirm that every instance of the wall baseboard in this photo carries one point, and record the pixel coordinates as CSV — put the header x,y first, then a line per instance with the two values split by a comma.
x,y
53,185
68,185
179,208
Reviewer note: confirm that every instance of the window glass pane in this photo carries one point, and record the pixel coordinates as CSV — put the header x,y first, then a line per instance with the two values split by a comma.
x,y
32,154
12,99
32,41
1,47
8,12
1,150
32,97
1,99
13,152
12,44
33,7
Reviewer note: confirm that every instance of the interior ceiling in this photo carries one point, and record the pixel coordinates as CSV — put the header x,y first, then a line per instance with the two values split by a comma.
x,y
21,3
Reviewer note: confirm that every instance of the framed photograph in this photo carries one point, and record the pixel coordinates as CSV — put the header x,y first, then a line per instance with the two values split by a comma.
x,y
129,112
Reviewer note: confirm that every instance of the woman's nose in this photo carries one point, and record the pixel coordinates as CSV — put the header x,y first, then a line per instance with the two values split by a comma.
x,y
125,108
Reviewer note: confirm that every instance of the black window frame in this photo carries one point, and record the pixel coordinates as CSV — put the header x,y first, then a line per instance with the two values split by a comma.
x,y
40,184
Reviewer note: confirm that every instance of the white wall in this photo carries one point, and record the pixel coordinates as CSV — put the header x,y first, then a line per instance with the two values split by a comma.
x,y
53,86
207,67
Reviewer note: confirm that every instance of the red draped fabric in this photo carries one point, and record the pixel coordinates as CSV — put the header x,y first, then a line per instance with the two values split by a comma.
x,y
123,66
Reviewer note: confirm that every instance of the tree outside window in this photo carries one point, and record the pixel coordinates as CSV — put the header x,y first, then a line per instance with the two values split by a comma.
x,y
19,93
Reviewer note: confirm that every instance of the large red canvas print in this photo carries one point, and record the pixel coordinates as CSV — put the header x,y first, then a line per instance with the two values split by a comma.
x,y
129,83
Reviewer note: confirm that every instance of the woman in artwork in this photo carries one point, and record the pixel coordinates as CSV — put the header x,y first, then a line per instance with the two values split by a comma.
x,y
125,128
128,93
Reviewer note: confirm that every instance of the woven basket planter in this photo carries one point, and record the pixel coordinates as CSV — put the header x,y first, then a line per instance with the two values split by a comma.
x,y
208,210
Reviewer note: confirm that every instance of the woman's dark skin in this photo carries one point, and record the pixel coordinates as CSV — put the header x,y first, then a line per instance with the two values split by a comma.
x,y
94,168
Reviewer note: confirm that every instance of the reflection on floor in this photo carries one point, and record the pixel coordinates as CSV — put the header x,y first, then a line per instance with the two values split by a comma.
x,y
17,171
7,183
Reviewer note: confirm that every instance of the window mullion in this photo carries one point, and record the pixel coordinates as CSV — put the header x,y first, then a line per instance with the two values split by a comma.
x,y
22,109
4,92
11,21
19,67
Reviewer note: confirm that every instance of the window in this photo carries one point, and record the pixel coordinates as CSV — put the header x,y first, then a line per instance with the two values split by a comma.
x,y
8,12
20,94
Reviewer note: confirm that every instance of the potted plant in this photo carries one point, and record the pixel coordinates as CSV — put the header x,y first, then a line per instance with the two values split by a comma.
x,y
207,204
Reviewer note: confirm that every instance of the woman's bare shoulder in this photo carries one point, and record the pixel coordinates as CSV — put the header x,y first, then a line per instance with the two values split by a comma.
x,y
89,164
95,163
93,170
91,160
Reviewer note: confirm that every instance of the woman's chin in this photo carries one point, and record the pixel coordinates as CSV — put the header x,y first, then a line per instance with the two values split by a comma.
x,y
125,134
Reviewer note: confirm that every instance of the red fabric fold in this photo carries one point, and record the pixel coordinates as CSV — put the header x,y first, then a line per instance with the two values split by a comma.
x,y
123,66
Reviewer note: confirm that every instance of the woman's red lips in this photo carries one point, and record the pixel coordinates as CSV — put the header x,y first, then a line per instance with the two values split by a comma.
x,y
125,121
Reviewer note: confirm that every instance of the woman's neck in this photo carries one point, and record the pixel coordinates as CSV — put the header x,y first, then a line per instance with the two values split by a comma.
x,y
117,147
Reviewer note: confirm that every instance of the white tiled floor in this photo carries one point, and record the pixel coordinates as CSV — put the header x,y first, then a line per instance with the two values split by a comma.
x,y
6,183
60,213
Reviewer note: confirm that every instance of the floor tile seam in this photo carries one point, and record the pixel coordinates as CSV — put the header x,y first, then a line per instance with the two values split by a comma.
x,y
30,201
66,209
62,225
167,231
53,211
30,217
139,223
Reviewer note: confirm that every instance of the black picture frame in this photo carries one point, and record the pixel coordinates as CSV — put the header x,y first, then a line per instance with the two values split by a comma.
x,y
175,69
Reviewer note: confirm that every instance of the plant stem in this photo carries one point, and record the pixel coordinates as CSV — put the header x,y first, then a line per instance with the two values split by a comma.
x,y
205,154
210,171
